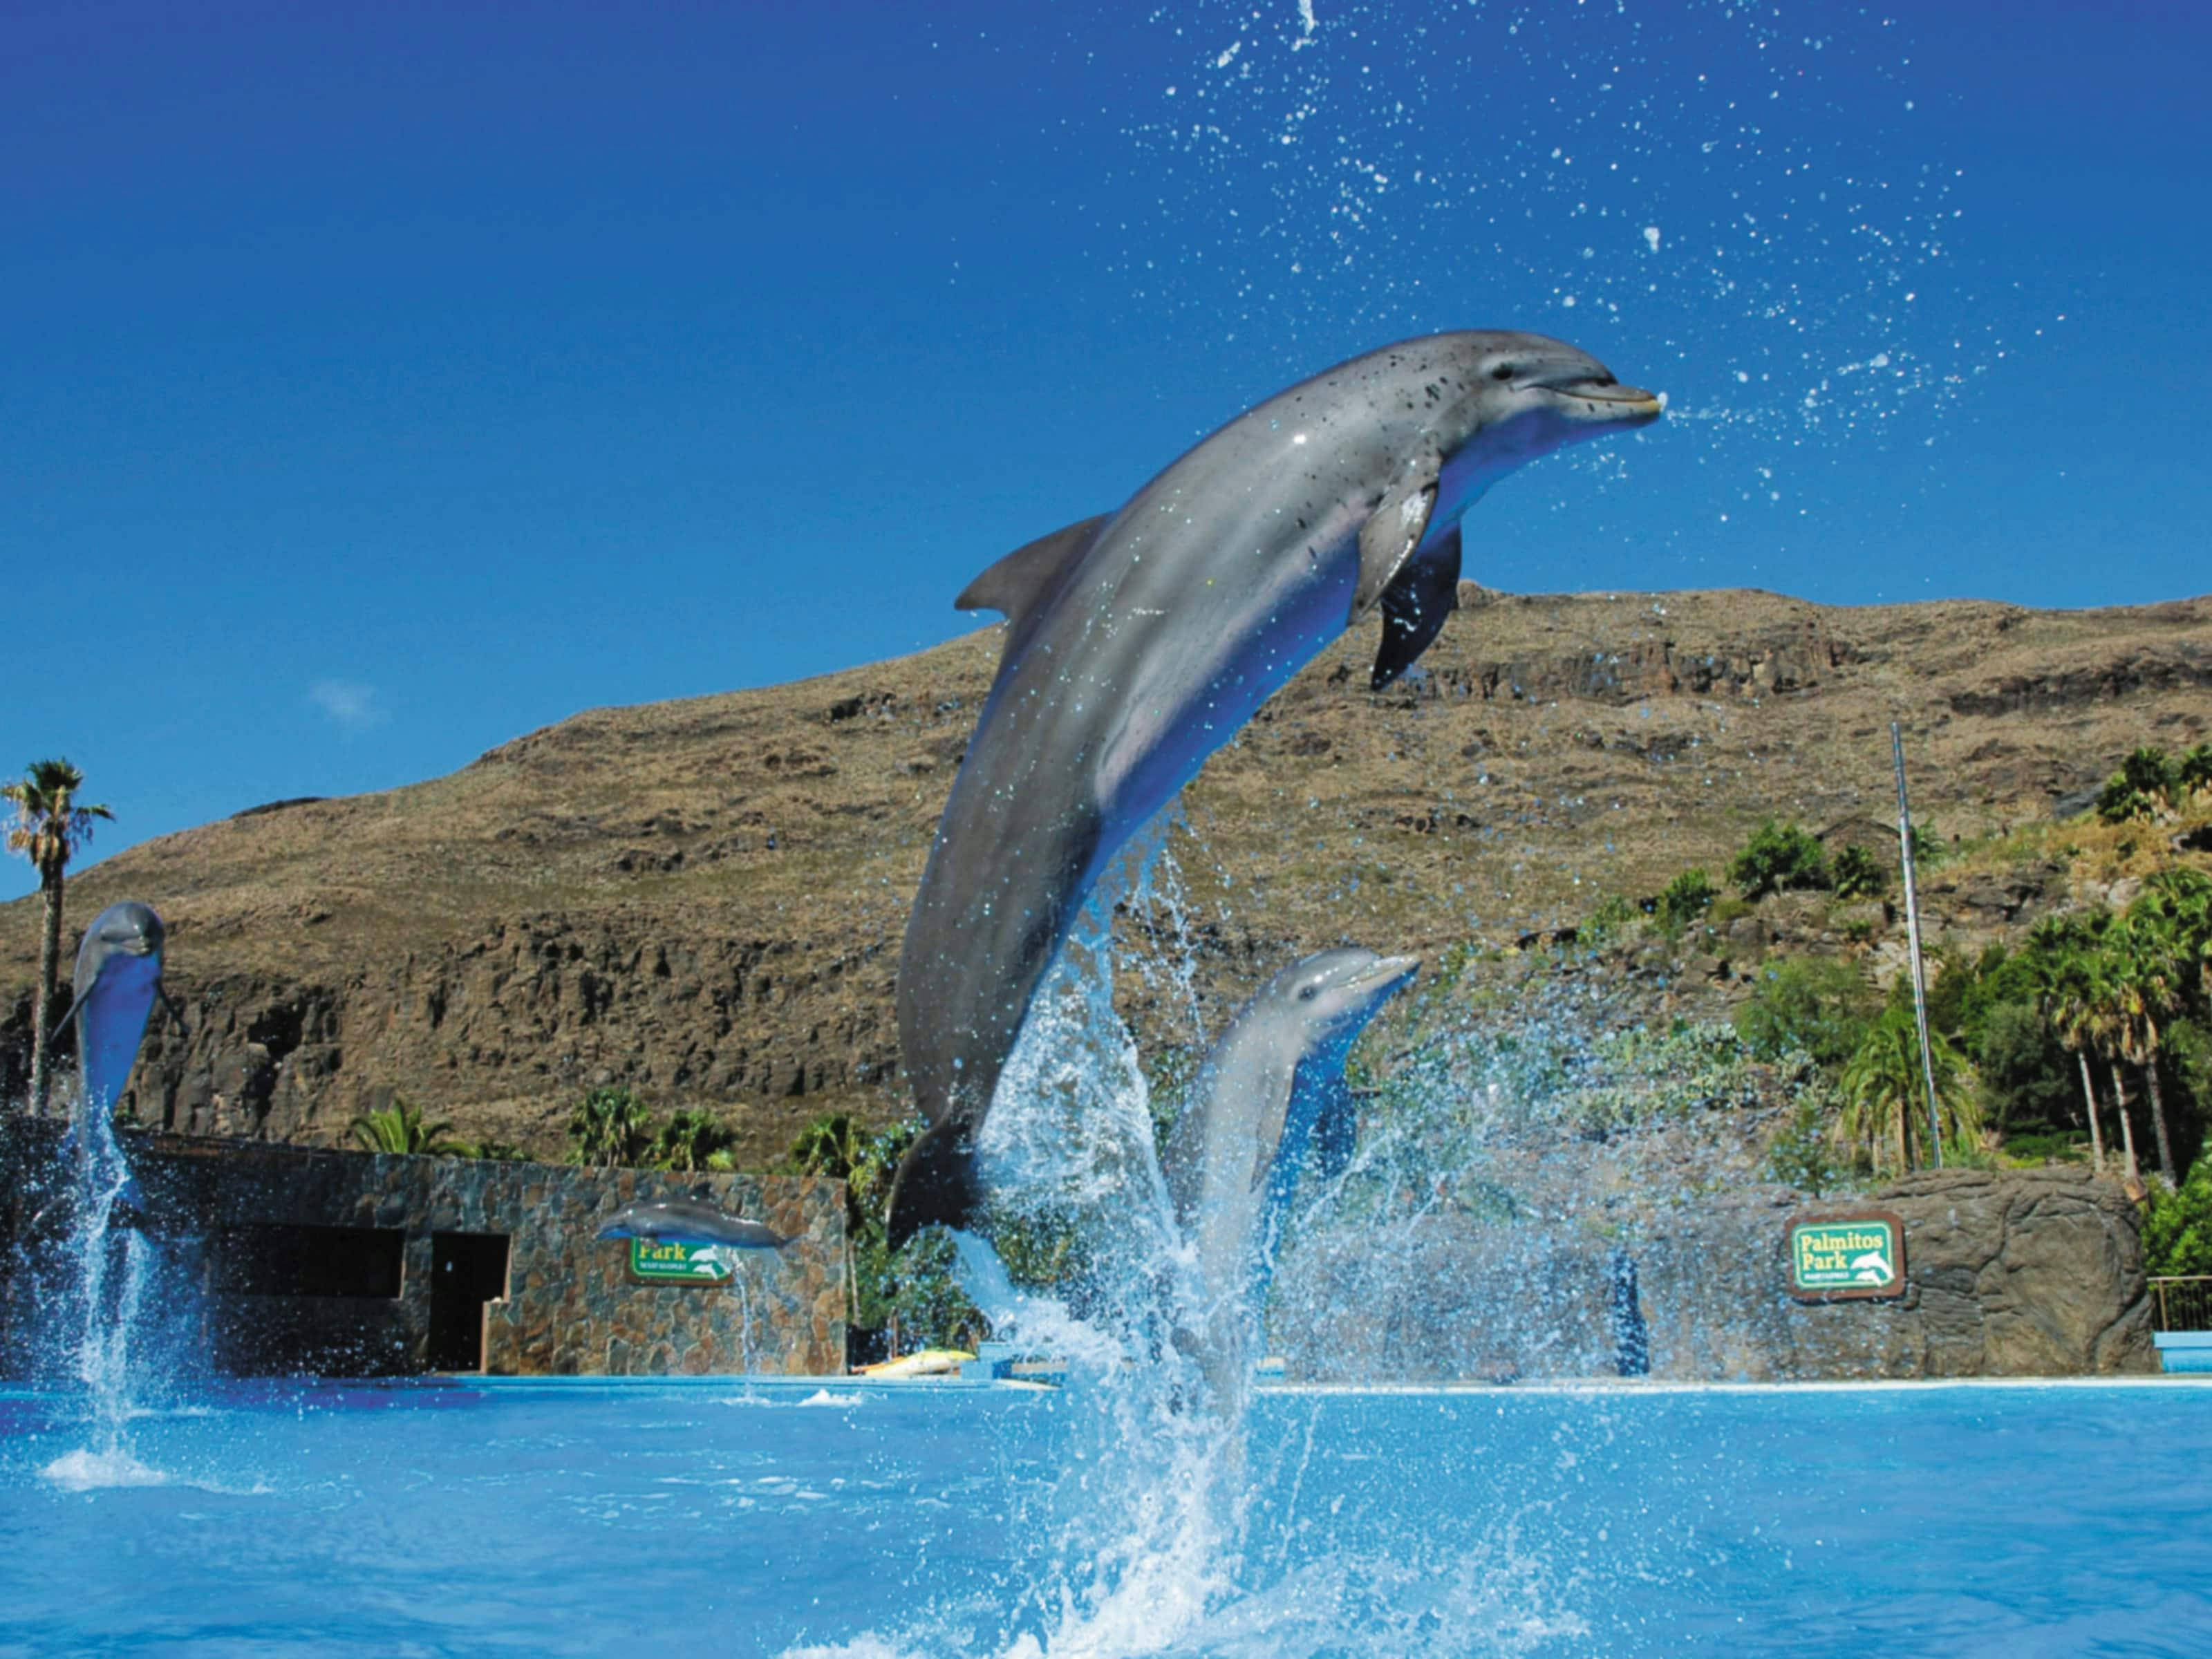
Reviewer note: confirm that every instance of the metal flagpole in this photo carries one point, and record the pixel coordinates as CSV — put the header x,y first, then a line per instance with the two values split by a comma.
x,y
1913,932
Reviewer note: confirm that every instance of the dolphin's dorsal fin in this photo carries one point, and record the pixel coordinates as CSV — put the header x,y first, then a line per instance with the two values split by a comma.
x,y
1392,531
1015,584
1414,607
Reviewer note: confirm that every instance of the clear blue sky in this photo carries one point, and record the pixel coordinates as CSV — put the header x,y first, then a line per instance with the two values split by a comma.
x,y
382,381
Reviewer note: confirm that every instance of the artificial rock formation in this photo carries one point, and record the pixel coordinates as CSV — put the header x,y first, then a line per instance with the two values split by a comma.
x,y
2032,1273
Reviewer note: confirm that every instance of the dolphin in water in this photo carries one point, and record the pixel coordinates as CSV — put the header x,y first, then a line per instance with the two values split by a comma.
x,y
118,975
1140,642
690,1221
1272,1087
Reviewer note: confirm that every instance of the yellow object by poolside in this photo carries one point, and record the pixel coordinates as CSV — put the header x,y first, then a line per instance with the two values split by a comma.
x,y
930,1362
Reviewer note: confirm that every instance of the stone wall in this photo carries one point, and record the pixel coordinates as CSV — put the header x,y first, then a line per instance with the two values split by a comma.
x,y
2011,1273
568,1305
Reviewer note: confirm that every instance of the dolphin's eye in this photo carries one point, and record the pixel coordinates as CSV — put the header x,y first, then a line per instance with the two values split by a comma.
x,y
1503,371
1306,993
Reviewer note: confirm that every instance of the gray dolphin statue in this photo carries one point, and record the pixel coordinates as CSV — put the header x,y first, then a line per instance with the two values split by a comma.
x,y
691,1221
1271,1088
1140,642
119,976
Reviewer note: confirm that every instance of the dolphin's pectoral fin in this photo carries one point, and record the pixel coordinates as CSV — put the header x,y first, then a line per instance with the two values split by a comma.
x,y
1014,585
1414,608
75,1003
936,1183
1336,1131
1391,533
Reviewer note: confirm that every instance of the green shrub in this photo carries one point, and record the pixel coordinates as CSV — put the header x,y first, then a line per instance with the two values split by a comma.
x,y
1803,1155
1928,850
2177,1229
2045,1146
610,1127
1776,857
693,1140
1685,899
1041,1248
1637,1079
1860,874
2146,780
1607,922
1815,1005
2194,769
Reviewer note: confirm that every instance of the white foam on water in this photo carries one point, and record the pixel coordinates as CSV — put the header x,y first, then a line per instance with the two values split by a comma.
x,y
88,1470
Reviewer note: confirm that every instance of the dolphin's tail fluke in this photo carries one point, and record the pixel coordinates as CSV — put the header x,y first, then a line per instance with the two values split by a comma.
x,y
936,1184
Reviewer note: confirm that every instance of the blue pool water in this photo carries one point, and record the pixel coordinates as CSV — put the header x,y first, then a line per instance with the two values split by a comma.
x,y
745,1517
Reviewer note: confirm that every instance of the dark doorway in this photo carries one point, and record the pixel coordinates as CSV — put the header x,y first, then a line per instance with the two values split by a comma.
x,y
307,1301
466,1271
274,1259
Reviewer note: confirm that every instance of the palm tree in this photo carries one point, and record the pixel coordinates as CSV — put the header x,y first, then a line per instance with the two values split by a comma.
x,y
2139,989
2103,1023
2065,989
693,1140
399,1128
1884,1091
2181,900
611,1126
50,826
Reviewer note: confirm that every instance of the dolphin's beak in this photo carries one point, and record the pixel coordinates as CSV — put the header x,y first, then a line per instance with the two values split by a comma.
x,y
1391,973
1607,401
612,1229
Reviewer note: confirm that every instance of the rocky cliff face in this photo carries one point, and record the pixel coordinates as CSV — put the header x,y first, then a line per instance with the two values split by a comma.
x,y
704,899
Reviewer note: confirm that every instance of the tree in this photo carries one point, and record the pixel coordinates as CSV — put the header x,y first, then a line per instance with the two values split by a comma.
x,y
399,1128
2176,1227
1886,1096
1778,855
50,826
2181,900
1860,874
610,1127
2063,948
692,1140
1814,1004
2139,989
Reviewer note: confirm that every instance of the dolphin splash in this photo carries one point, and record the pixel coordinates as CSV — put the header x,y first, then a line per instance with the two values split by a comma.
x,y
1140,642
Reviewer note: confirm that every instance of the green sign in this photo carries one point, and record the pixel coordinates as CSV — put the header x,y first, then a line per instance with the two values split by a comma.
x,y
661,1262
1834,1257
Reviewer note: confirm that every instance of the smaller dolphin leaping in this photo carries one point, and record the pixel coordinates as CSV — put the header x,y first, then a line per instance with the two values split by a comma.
x,y
689,1221
118,975
1271,1086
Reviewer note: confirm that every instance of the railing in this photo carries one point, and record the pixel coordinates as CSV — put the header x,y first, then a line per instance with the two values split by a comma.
x,y
2181,1304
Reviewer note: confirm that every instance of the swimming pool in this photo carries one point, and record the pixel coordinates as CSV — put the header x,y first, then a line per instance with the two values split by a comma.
x,y
744,1516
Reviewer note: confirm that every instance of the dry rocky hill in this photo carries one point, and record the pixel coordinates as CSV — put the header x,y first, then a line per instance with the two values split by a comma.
x,y
704,899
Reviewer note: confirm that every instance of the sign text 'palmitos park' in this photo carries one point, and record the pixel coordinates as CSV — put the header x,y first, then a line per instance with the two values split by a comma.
x,y
1835,1258
667,1261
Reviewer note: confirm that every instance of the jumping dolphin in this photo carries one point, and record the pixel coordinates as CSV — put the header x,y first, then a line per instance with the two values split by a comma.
x,y
1140,642
1271,1086
118,975
689,1221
